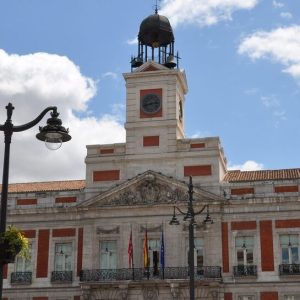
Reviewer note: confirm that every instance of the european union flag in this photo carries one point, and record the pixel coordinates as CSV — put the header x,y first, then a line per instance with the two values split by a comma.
x,y
162,250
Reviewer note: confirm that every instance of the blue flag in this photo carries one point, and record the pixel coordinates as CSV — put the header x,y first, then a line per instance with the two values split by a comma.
x,y
162,250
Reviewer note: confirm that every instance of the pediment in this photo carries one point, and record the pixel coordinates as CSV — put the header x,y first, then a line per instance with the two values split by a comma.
x,y
150,66
148,188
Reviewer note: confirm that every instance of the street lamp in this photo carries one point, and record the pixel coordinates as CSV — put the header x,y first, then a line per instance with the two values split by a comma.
x,y
52,134
189,216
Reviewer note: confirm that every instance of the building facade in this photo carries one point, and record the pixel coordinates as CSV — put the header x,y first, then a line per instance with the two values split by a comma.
x,y
80,231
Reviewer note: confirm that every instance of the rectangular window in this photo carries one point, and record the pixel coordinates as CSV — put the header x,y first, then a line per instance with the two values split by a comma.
x,y
246,297
292,297
244,250
63,257
108,255
198,253
154,253
289,244
23,264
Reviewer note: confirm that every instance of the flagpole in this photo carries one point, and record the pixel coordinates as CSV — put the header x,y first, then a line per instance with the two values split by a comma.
x,y
162,252
132,261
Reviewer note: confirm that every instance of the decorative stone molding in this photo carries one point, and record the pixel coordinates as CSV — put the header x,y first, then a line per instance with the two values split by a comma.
x,y
150,293
147,192
175,291
151,229
101,230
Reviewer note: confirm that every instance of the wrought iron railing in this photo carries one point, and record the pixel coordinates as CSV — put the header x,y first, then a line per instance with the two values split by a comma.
x,y
289,269
21,278
242,271
61,276
207,272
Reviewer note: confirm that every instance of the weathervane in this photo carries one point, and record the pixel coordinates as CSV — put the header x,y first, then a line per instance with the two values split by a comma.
x,y
156,6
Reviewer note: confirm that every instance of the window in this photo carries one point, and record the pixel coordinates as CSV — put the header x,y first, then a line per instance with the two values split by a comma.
x,y
63,257
244,250
108,255
199,252
154,252
289,245
246,297
24,264
292,297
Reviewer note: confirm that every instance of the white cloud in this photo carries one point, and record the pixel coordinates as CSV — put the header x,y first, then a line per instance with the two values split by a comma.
x,y
133,41
203,12
113,75
277,4
270,101
34,81
249,165
286,15
280,45
200,134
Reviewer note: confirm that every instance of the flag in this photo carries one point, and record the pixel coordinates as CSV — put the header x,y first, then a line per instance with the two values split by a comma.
x,y
162,250
146,253
130,251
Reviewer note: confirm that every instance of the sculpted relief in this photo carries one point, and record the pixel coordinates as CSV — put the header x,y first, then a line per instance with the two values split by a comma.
x,y
147,192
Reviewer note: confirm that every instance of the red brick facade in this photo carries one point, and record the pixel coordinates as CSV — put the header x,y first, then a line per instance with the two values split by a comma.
x,y
268,296
107,175
65,199
79,250
266,243
243,225
225,247
204,170
43,253
242,191
287,223
26,201
63,232
150,141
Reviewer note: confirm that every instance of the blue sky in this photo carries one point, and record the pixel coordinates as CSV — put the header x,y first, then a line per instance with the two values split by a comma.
x,y
241,57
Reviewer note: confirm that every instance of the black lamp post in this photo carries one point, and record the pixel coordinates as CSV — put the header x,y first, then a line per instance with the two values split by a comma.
x,y
189,216
52,134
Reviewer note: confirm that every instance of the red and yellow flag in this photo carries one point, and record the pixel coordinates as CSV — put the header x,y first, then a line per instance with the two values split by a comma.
x,y
146,253
130,250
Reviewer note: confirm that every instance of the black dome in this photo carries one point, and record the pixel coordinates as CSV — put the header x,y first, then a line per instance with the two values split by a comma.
x,y
156,31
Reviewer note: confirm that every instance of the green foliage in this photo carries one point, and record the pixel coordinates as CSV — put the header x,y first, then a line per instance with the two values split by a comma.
x,y
15,241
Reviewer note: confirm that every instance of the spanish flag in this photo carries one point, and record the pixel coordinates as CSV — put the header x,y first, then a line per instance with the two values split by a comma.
x,y
146,253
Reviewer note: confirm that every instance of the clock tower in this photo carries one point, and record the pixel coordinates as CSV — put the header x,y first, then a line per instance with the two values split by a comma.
x,y
155,91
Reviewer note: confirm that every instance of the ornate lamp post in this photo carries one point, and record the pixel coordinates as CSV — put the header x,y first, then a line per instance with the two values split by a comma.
x,y
189,216
53,134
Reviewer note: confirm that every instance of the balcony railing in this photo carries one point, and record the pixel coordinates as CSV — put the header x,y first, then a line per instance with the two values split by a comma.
x,y
21,278
244,271
289,269
61,276
211,272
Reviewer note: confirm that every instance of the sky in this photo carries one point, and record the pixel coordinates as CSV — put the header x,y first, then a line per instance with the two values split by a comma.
x,y
241,58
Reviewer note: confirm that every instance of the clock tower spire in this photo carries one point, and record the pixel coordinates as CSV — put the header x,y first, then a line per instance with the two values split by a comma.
x,y
156,88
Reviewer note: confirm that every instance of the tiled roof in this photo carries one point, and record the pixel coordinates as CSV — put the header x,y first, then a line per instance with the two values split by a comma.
x,y
264,175
67,185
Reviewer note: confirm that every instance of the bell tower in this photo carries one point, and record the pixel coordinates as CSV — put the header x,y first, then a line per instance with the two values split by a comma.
x,y
155,91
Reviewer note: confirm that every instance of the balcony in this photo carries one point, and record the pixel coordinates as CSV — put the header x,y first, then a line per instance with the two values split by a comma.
x,y
21,278
202,273
245,271
61,276
289,269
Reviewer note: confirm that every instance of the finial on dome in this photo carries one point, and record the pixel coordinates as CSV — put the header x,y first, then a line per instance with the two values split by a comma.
x,y
156,8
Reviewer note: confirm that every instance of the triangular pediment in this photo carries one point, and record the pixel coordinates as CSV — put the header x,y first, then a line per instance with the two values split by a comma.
x,y
150,66
149,188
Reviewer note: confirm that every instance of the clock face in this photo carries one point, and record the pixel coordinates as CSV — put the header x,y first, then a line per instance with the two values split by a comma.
x,y
151,103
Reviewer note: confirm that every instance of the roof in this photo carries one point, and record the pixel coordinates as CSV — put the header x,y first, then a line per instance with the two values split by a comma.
x,y
66,185
264,175
156,31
